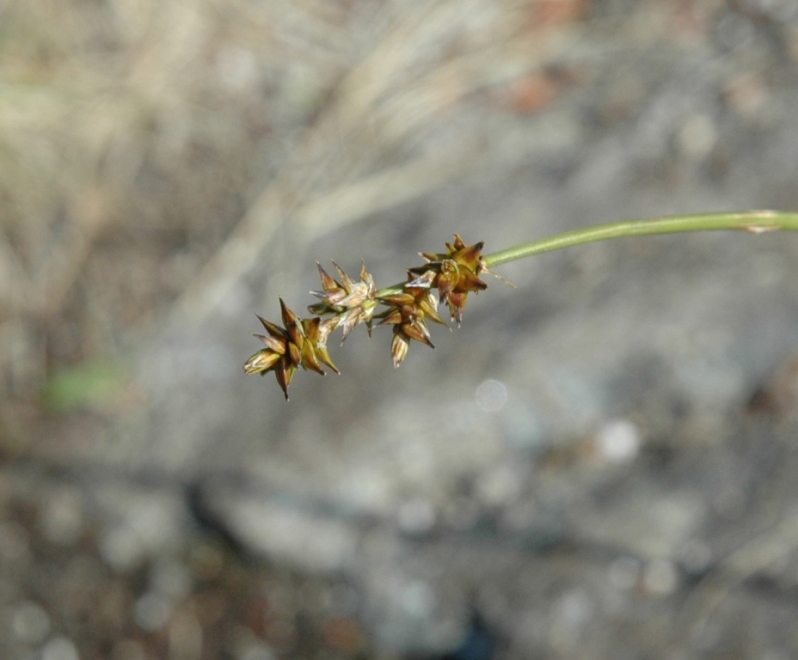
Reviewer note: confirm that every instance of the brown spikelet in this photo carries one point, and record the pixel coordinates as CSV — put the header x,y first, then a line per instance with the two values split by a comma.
x,y
455,273
407,313
345,302
302,343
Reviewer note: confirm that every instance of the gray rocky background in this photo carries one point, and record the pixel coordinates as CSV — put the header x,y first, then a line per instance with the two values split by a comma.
x,y
599,464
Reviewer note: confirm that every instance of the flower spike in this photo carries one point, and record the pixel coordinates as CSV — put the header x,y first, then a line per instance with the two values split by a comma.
x,y
302,343
350,302
407,312
455,273
345,302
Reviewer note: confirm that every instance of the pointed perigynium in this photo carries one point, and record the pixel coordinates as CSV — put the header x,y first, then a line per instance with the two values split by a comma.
x,y
302,343
347,302
456,273
407,312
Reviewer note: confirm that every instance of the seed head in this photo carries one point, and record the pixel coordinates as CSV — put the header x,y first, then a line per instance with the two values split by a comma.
x,y
349,302
346,302
302,343
407,312
456,273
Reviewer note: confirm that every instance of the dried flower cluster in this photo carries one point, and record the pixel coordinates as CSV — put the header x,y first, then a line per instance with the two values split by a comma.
x,y
346,302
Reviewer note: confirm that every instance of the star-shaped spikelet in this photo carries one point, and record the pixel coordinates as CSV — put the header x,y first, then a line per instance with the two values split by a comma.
x,y
345,302
302,343
349,302
407,312
456,273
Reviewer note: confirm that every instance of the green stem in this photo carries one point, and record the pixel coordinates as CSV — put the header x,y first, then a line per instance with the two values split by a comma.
x,y
755,222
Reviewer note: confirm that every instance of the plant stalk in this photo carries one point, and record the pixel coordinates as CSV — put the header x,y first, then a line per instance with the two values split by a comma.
x,y
755,222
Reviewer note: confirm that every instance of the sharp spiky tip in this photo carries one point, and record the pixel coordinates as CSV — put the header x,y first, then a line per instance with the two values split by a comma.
x,y
284,373
347,281
326,359
459,243
415,329
289,317
271,328
309,359
365,276
469,256
275,344
327,282
469,282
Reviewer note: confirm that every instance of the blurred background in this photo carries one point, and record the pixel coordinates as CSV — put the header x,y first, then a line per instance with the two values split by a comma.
x,y
599,464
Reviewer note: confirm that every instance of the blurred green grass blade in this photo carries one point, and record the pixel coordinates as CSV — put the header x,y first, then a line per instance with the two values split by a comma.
x,y
90,385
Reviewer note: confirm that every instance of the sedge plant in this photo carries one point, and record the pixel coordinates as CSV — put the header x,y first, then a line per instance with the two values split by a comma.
x,y
446,277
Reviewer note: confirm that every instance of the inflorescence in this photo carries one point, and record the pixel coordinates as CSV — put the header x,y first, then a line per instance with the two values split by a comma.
x,y
345,303
454,273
